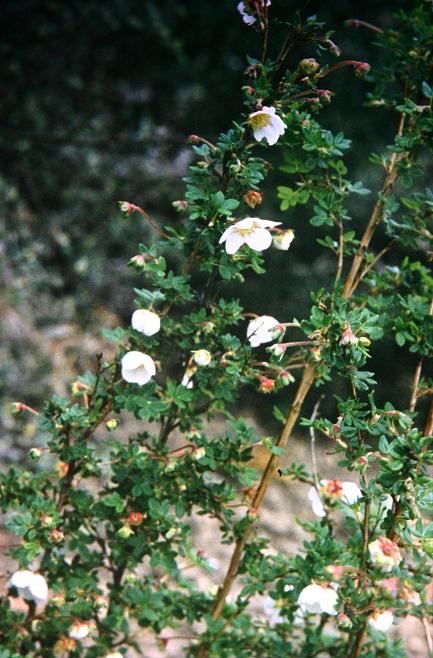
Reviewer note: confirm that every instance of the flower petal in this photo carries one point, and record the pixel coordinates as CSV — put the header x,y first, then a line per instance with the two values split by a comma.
x,y
259,240
234,242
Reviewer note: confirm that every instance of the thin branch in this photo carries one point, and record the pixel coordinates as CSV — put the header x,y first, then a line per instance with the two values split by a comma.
x,y
313,442
375,218
428,636
355,22
415,385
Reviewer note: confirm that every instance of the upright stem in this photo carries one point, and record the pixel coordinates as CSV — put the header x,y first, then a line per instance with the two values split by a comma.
x,y
375,219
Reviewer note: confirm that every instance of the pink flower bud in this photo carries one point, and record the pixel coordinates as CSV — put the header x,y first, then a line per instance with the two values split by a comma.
x,y
361,68
193,139
56,536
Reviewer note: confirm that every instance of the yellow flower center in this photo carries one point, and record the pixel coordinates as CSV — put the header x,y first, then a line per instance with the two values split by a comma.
x,y
260,121
244,231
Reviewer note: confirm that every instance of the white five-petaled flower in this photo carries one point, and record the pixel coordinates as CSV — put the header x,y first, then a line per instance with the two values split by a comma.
x,y
137,368
247,13
31,586
318,598
332,491
381,620
266,124
251,231
80,629
384,553
262,330
202,357
283,240
145,321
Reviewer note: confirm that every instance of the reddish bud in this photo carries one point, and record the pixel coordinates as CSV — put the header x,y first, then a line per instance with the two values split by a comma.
x,y
56,536
193,139
253,198
267,385
361,68
135,518
253,513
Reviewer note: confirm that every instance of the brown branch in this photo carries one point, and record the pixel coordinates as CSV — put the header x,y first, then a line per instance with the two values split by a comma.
x,y
355,22
375,218
415,385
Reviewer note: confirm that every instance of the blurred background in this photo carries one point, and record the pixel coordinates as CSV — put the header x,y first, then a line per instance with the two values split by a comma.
x,y
97,102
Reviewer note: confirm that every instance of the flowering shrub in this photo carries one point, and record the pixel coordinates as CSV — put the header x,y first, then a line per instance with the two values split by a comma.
x,y
101,542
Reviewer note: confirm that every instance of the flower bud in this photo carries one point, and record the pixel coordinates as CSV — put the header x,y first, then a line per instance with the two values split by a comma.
x,y
62,469
111,424
361,69
253,513
56,536
17,407
35,454
202,357
309,65
198,454
253,198
348,337
135,518
285,377
125,532
343,621
193,139
364,341
78,388
64,645
267,385
208,327
180,205
139,260
247,89
284,239
127,207
46,521
172,532
58,599
325,96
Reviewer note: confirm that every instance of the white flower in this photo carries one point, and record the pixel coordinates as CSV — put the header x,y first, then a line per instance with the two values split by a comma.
x,y
265,123
261,330
283,240
80,629
318,598
351,493
245,11
116,654
381,621
137,368
202,357
384,553
316,502
147,322
271,608
251,231
31,586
